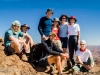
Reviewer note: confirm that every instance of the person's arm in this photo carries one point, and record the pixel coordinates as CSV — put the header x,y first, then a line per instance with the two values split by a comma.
x,y
79,60
46,49
88,67
78,28
55,48
40,27
31,41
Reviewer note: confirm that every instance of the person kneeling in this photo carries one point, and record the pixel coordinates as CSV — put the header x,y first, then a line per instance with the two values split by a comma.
x,y
84,58
52,54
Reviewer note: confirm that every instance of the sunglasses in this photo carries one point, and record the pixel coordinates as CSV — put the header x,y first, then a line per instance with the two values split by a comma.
x,y
82,44
63,18
16,26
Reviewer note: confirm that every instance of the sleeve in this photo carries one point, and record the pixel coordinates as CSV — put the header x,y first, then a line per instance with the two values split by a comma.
x,y
78,27
77,53
46,49
40,26
21,34
91,59
9,33
55,48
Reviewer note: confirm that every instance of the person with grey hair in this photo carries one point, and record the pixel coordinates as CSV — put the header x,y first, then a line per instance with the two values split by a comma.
x,y
12,42
84,58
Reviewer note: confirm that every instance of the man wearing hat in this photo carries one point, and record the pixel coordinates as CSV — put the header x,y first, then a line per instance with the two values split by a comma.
x,y
28,40
45,24
52,54
11,42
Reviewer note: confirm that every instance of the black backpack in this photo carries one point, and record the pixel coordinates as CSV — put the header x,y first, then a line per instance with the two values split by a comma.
x,y
35,54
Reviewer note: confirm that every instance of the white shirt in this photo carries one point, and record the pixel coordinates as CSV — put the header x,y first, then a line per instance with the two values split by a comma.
x,y
73,29
84,55
63,30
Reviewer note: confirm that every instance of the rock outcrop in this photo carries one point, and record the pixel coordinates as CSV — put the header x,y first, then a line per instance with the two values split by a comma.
x,y
12,65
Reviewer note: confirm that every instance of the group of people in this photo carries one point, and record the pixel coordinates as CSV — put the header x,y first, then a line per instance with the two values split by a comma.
x,y
58,37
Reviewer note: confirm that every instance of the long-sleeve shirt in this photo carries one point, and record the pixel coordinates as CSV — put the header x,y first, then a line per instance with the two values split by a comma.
x,y
44,26
49,48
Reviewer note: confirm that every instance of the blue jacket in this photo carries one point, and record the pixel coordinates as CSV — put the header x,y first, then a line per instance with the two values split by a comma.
x,y
44,26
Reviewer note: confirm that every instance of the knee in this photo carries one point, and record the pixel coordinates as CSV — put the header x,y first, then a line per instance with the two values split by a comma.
x,y
58,58
64,58
15,43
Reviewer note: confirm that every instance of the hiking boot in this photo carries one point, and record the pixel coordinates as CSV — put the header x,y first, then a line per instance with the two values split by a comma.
x,y
24,57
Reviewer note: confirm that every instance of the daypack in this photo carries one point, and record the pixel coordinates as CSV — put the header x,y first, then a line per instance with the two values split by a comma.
x,y
35,54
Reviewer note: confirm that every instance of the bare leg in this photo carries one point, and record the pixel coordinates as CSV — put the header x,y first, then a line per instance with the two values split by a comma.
x,y
63,61
57,61
27,41
64,50
16,46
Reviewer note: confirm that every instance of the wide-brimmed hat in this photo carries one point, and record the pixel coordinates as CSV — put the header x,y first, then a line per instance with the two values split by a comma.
x,y
25,25
49,10
56,20
72,17
16,23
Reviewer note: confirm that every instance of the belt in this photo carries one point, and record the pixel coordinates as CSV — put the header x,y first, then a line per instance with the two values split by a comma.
x,y
72,35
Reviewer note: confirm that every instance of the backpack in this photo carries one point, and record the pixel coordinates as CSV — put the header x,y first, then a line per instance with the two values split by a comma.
x,y
35,54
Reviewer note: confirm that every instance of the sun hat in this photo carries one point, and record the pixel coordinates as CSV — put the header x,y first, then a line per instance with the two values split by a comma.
x,y
49,10
25,25
83,41
16,23
72,17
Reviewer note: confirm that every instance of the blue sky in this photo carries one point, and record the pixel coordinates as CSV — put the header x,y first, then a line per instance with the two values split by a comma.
x,y
87,13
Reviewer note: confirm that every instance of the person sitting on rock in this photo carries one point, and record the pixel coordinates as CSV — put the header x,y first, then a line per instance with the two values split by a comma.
x,y
84,58
28,41
12,43
52,54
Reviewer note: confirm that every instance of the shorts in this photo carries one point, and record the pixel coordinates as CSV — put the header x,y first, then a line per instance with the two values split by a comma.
x,y
64,41
43,62
9,50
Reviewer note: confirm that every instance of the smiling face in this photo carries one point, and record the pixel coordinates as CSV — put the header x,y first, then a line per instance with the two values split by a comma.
x,y
49,14
72,21
24,29
15,27
52,37
82,45
56,23
64,19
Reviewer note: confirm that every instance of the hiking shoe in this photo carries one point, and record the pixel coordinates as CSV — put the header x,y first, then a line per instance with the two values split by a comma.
x,y
24,57
66,71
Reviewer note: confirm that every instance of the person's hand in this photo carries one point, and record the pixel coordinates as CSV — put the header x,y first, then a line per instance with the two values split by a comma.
x,y
87,67
44,37
63,55
67,55
78,42
25,46
67,33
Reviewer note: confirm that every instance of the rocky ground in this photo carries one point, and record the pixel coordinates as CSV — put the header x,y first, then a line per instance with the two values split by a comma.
x,y
12,65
